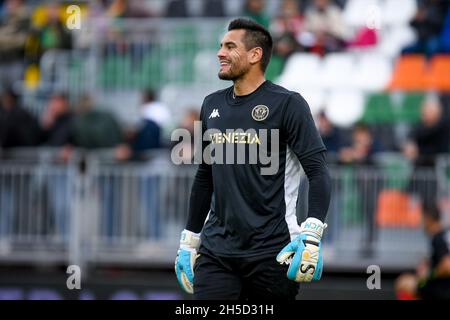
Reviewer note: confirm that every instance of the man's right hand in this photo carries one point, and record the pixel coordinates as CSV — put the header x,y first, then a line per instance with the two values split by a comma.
x,y
186,256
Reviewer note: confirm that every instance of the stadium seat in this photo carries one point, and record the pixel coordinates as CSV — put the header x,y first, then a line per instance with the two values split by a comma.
x,y
357,12
153,67
393,40
439,73
397,209
373,72
338,71
315,97
301,69
398,12
410,109
345,107
409,73
378,110
275,68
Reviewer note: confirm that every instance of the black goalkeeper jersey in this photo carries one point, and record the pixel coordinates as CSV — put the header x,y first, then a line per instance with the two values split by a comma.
x,y
252,212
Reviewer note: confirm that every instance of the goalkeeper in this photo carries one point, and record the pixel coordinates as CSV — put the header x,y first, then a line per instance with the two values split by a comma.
x,y
251,245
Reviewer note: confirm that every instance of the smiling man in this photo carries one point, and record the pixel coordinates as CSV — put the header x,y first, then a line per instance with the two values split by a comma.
x,y
251,245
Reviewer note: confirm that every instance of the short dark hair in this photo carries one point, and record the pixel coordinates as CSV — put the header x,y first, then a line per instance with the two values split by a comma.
x,y
255,36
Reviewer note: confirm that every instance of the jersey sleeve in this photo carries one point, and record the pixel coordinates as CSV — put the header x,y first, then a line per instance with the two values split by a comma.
x,y
298,125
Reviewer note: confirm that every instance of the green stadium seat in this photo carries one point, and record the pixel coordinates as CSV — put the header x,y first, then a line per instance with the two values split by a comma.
x,y
379,110
410,107
275,68
153,67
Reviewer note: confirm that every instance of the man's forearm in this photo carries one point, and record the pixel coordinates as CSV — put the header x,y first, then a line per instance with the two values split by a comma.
x,y
319,195
200,199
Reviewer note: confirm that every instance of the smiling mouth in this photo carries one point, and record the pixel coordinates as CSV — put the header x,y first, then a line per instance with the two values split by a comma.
x,y
224,64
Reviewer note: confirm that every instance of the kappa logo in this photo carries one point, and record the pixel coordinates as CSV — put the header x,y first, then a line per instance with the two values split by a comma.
x,y
214,114
260,112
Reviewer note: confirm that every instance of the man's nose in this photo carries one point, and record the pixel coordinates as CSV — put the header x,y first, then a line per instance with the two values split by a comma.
x,y
220,53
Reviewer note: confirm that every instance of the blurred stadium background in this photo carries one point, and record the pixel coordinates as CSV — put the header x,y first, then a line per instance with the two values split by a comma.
x,y
86,116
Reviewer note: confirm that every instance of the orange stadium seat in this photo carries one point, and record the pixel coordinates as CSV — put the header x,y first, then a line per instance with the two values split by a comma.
x,y
409,73
439,73
396,209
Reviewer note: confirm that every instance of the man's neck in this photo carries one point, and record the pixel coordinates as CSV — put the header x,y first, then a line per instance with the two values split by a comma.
x,y
248,84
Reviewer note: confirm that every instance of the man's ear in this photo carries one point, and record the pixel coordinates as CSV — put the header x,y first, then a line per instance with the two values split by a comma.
x,y
256,55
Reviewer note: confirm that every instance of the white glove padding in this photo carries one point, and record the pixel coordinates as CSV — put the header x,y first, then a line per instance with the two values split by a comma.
x,y
304,253
186,256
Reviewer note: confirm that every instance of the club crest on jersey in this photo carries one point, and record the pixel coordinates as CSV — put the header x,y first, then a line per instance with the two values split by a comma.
x,y
260,112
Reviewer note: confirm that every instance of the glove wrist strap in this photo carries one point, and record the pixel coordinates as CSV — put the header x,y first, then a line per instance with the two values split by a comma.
x,y
189,240
313,227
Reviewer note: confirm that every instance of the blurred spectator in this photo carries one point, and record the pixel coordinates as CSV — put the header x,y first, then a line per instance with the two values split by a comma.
x,y
188,120
330,134
432,277
362,149
289,21
256,10
128,9
445,35
213,8
288,29
177,9
96,129
149,135
14,28
284,47
428,23
360,155
324,21
52,35
117,9
57,131
427,140
187,147
155,110
57,126
18,128
285,28
57,122
431,136
364,38
340,3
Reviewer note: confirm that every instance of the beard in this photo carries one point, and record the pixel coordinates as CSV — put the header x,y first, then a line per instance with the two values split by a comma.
x,y
233,75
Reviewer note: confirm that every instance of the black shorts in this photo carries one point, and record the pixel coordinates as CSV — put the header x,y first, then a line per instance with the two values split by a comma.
x,y
222,278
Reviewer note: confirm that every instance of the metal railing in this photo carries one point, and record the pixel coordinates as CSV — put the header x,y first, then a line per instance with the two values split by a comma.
x,y
105,212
